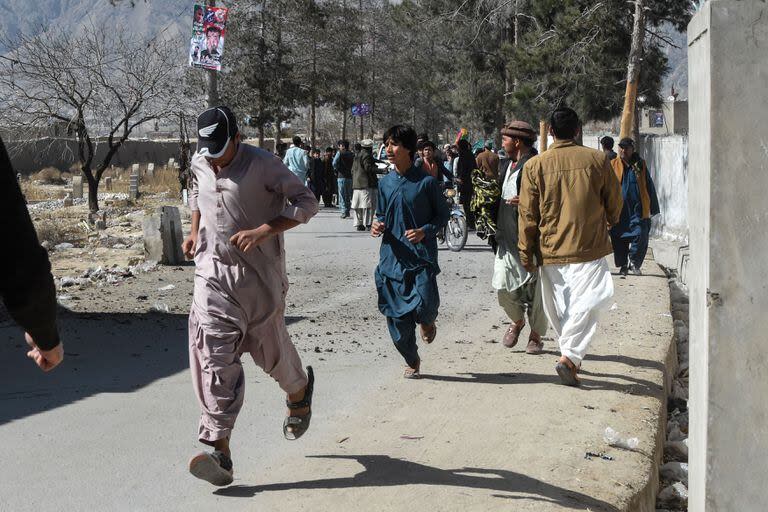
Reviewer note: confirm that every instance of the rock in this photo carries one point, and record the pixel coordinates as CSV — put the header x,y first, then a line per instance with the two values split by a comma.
x,y
674,496
160,307
166,288
675,471
45,244
163,237
119,246
679,391
62,246
676,450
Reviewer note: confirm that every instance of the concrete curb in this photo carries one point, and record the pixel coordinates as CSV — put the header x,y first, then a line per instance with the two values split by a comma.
x,y
645,498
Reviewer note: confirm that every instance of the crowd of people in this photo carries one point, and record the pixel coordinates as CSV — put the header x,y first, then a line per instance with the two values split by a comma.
x,y
551,220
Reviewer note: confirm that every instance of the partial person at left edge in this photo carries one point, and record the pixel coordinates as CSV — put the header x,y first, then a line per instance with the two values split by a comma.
x,y
26,282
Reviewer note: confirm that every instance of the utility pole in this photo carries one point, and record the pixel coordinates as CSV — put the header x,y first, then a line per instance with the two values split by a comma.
x,y
212,78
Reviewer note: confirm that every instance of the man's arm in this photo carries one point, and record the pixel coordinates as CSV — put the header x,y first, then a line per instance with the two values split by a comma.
x,y
189,244
528,222
301,207
378,226
336,160
26,282
613,201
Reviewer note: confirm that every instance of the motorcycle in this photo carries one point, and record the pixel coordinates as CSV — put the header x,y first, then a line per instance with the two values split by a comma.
x,y
454,233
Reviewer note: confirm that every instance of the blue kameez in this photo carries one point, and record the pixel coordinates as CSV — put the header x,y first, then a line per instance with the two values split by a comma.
x,y
630,236
406,277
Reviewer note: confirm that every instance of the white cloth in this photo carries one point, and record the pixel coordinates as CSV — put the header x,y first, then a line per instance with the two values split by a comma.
x,y
508,273
573,296
363,206
364,198
509,189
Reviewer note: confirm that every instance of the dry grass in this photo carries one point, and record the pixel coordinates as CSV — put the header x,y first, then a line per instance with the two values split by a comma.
x,y
56,231
164,180
35,192
48,176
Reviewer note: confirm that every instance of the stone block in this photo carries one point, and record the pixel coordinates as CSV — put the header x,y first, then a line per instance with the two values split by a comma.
x,y
150,170
133,187
108,183
77,187
163,237
171,163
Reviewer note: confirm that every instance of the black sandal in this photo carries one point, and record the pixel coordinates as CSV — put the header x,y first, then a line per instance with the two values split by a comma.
x,y
299,424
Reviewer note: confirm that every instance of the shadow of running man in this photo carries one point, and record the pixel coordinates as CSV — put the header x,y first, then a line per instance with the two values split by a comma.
x,y
385,471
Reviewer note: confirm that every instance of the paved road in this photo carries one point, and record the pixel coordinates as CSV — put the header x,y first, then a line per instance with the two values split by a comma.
x,y
487,429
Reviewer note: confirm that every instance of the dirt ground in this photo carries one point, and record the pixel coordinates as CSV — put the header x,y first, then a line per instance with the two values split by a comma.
x,y
487,428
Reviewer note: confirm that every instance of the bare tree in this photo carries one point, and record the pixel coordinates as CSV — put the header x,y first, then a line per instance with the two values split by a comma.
x,y
101,83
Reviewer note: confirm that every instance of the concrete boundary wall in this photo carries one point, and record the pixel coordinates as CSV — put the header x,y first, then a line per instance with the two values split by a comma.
x,y
728,70
30,156
667,158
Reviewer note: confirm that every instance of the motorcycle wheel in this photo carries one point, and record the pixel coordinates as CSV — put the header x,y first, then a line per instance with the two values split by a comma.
x,y
456,233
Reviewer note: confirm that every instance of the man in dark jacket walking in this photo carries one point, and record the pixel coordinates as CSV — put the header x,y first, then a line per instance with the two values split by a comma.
x,y
342,163
364,185
26,283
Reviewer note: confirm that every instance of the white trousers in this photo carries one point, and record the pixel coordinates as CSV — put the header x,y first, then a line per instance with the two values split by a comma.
x,y
573,296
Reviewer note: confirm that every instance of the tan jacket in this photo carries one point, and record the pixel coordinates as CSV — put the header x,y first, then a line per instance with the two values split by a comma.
x,y
569,196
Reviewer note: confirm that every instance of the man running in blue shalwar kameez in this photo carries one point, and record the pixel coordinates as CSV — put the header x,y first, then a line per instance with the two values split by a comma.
x,y
411,209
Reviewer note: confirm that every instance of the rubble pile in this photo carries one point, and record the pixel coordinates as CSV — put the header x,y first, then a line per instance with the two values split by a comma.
x,y
674,472
100,276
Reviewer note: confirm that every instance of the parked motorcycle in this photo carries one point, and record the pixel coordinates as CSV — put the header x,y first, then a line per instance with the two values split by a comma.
x,y
454,233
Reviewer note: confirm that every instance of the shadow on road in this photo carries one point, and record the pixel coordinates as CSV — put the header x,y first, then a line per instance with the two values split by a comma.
x,y
635,386
385,471
104,353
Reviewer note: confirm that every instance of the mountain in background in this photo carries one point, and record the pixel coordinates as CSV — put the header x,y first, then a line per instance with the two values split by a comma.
x,y
678,64
172,18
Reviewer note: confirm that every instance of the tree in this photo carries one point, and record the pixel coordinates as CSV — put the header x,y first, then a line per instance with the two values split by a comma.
x,y
648,15
101,84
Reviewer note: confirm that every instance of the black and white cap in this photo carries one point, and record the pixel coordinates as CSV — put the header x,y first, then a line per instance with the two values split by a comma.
x,y
216,127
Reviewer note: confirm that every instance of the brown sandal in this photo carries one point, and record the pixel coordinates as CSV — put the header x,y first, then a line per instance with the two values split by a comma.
x,y
428,333
412,373
567,372
535,345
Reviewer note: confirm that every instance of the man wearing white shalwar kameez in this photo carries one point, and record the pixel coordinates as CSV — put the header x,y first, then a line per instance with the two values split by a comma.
x,y
569,197
242,200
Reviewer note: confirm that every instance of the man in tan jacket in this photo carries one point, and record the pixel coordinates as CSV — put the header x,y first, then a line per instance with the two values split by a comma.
x,y
569,197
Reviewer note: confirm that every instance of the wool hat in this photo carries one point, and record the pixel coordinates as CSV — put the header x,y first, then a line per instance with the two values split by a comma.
x,y
626,142
366,143
519,129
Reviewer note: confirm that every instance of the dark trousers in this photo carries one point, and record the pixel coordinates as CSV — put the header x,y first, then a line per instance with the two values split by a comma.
x,y
466,202
403,333
631,249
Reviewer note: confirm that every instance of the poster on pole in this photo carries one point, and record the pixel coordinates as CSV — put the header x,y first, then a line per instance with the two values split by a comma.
x,y
209,26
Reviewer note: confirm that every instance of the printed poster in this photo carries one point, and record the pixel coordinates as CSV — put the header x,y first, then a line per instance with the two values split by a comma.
x,y
209,27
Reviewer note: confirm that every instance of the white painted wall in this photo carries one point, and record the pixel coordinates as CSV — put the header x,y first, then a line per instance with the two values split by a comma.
x,y
667,159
